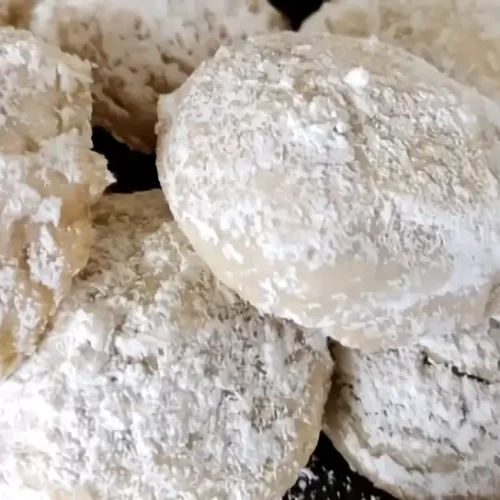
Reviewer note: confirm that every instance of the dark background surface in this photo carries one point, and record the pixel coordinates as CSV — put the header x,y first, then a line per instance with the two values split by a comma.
x,y
327,475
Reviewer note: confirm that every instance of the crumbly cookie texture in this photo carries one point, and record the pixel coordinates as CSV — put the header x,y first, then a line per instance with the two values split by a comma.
x,y
49,177
144,49
459,37
339,182
422,422
158,382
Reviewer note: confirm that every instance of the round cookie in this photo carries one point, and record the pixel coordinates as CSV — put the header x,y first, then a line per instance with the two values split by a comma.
x,y
422,422
144,49
339,182
459,37
49,177
159,382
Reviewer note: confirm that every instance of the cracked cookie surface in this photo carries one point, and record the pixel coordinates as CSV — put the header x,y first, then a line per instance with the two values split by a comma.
x,y
422,422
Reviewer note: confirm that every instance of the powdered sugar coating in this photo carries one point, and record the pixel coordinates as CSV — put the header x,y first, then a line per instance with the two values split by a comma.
x,y
459,37
422,422
144,49
339,182
158,382
48,180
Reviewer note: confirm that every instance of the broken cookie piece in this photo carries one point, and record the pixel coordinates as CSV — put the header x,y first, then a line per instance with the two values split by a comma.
x,y
158,382
49,178
144,49
422,422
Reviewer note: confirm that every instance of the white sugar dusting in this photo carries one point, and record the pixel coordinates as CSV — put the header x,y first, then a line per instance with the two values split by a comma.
x,y
140,53
357,78
158,382
459,37
355,197
422,421
48,180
